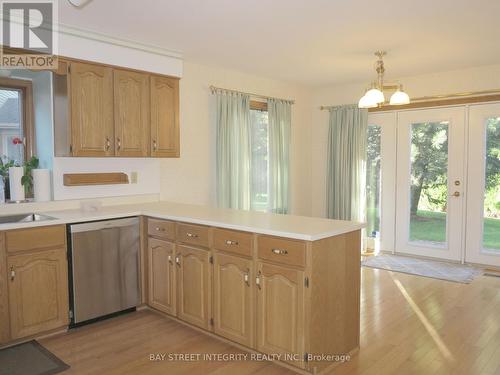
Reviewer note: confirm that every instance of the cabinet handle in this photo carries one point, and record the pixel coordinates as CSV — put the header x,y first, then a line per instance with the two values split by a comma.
x,y
246,277
279,251
231,242
170,259
154,145
159,229
12,273
257,280
118,144
177,261
107,145
191,235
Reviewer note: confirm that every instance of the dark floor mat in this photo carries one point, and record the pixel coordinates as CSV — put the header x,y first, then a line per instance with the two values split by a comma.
x,y
29,358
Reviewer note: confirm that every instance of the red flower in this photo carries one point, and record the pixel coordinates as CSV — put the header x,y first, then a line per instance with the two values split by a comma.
x,y
17,141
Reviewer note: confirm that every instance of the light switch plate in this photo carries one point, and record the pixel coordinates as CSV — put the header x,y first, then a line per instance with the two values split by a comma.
x,y
133,177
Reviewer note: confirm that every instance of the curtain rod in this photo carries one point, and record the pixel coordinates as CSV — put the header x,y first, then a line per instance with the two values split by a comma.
x,y
424,99
214,89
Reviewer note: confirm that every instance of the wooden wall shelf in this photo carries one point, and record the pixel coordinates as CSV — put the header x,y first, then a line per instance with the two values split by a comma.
x,y
83,179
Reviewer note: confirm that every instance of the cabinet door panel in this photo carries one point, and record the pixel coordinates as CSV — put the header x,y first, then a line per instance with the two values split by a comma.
x,y
193,286
92,128
164,117
233,304
38,292
161,257
280,311
131,105
4,295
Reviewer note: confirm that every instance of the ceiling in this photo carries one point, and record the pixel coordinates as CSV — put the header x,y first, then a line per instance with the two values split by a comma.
x,y
315,42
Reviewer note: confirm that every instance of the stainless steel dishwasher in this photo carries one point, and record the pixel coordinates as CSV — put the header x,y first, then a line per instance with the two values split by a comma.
x,y
104,262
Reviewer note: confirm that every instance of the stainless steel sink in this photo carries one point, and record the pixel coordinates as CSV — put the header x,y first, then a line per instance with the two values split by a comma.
x,y
24,218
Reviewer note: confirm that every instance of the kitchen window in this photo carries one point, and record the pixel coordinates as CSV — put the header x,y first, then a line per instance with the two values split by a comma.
x,y
260,156
16,126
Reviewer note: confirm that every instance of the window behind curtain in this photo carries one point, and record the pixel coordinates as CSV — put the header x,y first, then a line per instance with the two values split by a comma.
x,y
11,126
260,159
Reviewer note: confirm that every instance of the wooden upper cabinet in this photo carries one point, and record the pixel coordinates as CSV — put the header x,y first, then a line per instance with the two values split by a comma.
x,y
280,311
164,117
38,292
92,128
131,106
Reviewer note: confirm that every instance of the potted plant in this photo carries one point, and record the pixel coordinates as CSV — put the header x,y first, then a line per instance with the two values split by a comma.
x,y
5,164
27,179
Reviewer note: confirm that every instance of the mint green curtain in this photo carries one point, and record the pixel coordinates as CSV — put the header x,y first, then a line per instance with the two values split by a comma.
x,y
233,149
346,163
280,113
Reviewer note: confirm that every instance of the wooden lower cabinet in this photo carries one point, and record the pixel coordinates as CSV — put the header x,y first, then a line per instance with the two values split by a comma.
x,y
280,312
162,289
38,292
233,298
193,286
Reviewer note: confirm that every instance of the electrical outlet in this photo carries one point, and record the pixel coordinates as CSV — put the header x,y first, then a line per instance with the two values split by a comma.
x,y
133,177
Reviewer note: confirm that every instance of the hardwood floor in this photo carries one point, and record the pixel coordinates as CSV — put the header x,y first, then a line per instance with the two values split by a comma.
x,y
409,325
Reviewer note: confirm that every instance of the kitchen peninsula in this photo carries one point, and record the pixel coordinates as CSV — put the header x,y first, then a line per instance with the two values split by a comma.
x,y
274,284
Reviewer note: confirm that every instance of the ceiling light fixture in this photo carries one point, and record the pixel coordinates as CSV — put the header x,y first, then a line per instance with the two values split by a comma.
x,y
374,96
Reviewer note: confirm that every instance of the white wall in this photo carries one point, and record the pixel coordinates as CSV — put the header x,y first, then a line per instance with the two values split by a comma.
x,y
147,170
457,81
192,177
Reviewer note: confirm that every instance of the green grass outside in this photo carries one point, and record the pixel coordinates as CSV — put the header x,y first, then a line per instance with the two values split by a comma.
x,y
431,226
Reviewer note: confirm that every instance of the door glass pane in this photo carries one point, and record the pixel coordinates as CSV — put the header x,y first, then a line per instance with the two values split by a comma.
x,y
259,171
11,129
491,217
429,180
373,187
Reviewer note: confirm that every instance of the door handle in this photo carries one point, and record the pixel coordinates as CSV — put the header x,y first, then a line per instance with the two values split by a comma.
x,y
107,145
257,280
154,145
246,277
177,261
455,194
170,259
118,144
12,273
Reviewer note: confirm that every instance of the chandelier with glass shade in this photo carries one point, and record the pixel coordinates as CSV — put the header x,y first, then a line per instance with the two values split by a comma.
x,y
374,96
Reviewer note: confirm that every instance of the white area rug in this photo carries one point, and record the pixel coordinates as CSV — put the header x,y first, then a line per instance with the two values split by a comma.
x,y
422,267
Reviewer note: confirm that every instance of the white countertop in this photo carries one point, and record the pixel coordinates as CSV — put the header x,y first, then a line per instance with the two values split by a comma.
x,y
290,226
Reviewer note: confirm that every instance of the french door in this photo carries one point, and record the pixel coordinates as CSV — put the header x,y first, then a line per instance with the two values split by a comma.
x,y
440,182
430,182
483,185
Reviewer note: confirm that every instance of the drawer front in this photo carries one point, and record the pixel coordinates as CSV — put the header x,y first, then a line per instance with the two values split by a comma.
x,y
282,250
192,234
233,241
35,238
161,229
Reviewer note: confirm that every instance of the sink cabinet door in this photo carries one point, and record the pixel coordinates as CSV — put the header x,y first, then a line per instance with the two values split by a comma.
x,y
280,311
38,292
193,286
233,303
161,257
